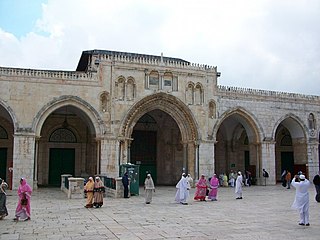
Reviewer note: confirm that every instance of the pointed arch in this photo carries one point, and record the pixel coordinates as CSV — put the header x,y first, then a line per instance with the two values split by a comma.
x,y
167,103
251,124
294,124
88,113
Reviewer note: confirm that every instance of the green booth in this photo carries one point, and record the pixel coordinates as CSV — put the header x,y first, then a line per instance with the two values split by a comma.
x,y
133,173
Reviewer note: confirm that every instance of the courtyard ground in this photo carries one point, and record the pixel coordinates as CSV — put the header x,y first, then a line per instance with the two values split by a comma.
x,y
263,213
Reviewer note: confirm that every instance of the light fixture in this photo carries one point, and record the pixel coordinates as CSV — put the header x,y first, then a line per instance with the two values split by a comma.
x,y
65,123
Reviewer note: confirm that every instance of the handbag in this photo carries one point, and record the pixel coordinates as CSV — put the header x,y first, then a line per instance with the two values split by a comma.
x,y
24,200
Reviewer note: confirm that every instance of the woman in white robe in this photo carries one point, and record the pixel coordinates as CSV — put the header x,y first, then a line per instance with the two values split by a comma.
x,y
149,188
238,188
183,188
301,201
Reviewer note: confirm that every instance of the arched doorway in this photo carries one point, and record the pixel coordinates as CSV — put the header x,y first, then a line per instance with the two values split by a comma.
x,y
163,128
157,147
68,141
290,147
6,144
237,144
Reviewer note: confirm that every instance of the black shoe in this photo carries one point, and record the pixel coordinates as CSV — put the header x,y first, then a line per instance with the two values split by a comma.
x,y
301,224
308,224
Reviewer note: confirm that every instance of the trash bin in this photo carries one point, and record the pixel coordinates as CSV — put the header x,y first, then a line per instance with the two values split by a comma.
x,y
133,173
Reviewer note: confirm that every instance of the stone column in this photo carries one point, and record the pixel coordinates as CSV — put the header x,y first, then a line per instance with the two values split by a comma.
x,y
268,161
35,178
191,158
185,157
206,158
313,158
109,157
23,158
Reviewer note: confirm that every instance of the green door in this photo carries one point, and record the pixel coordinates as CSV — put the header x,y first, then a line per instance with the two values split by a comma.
x,y
3,163
287,161
144,153
61,161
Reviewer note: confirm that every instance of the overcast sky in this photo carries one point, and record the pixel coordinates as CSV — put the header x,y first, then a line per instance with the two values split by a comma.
x,y
261,44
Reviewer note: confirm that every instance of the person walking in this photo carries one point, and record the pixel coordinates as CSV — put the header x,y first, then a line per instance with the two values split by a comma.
x,y
238,188
283,178
98,192
232,177
183,188
149,188
89,187
3,199
201,189
125,183
316,182
190,180
214,184
288,179
301,201
265,174
23,210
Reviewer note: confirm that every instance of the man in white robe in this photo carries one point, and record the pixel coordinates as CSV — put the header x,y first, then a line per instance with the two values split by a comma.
x,y
183,188
238,188
301,201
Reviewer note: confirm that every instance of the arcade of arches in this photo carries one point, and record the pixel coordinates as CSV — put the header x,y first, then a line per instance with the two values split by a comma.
x,y
159,143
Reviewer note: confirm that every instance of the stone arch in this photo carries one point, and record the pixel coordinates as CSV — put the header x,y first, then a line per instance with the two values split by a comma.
x,y
247,119
11,114
292,122
167,103
88,113
237,137
290,135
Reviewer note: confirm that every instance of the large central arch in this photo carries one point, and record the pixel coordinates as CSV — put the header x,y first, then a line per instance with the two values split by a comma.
x,y
176,110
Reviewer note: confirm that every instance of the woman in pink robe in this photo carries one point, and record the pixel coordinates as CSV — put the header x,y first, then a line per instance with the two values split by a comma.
x,y
23,210
201,189
214,184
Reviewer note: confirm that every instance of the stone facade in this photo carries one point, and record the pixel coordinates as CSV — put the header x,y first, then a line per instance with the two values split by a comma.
x,y
165,114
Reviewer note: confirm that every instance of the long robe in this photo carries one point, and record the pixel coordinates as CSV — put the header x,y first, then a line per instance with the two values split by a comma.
x,y
149,188
23,212
201,189
214,184
3,199
89,187
98,193
238,188
301,200
182,193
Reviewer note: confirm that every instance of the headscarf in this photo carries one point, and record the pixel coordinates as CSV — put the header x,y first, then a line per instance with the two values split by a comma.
x,y
24,187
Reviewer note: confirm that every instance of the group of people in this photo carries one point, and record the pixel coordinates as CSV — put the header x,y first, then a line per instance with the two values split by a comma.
x,y
23,209
94,191
204,188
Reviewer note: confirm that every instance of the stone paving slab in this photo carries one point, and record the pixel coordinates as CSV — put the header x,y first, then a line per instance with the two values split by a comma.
x,y
264,213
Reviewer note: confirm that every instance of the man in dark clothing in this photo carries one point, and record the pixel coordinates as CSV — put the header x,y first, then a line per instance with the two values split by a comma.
x,y
125,182
265,174
316,182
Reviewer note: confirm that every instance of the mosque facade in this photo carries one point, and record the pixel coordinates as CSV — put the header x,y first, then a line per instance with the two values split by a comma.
x,y
164,114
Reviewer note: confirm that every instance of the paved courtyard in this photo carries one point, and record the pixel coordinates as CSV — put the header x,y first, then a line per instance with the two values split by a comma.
x,y
264,213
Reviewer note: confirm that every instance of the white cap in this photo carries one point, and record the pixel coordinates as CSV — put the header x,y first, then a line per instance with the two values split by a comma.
x,y
239,172
302,177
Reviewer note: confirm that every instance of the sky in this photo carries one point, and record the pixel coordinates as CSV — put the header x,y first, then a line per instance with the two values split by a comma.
x,y
260,44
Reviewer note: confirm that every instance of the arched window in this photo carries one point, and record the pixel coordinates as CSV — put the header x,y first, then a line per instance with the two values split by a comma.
x,y
63,135
198,95
154,80
167,80
130,89
212,109
286,140
311,121
104,101
120,88
189,94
